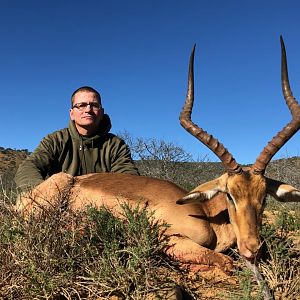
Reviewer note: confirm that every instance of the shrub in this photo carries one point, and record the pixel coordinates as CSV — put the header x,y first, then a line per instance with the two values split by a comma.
x,y
281,262
66,255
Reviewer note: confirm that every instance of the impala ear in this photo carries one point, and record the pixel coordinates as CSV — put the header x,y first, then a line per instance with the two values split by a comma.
x,y
205,191
282,192
194,197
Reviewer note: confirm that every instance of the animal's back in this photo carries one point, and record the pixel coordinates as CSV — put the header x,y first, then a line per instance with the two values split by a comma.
x,y
131,187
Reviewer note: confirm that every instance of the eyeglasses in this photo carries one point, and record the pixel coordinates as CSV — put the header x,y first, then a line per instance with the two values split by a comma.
x,y
83,105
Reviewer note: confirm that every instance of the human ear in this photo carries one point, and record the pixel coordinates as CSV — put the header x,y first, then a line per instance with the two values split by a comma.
x,y
72,114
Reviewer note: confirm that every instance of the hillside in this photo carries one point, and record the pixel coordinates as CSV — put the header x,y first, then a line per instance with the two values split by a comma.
x,y
9,161
185,174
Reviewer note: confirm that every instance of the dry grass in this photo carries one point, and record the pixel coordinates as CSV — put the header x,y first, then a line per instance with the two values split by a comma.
x,y
281,263
84,255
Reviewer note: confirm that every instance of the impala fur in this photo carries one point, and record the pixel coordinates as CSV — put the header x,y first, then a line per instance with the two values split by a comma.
x,y
216,214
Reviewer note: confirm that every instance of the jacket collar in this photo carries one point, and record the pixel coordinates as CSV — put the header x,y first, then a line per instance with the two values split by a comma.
x,y
104,128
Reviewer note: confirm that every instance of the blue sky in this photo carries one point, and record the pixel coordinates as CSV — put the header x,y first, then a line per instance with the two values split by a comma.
x,y
136,54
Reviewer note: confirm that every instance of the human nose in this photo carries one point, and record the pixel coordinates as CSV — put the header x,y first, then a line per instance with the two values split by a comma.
x,y
88,107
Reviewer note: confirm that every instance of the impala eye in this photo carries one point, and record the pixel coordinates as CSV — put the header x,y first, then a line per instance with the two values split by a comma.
x,y
231,200
264,203
229,197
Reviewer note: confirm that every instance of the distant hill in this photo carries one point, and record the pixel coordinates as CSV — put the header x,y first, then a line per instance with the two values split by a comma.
x,y
9,161
185,174
11,158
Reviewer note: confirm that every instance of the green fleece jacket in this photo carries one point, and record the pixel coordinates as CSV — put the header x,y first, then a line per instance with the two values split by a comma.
x,y
67,151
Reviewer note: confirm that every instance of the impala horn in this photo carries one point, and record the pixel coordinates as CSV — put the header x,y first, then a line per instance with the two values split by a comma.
x,y
290,129
208,140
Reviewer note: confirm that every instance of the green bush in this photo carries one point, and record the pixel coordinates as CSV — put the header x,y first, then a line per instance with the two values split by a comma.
x,y
88,254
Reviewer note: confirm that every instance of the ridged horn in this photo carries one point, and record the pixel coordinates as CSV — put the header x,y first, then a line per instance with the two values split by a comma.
x,y
208,140
290,129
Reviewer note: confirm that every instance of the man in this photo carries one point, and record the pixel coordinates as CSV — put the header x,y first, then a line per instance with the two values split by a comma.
x,y
86,146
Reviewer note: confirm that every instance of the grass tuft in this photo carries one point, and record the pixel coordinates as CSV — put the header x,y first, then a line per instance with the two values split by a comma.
x,y
89,254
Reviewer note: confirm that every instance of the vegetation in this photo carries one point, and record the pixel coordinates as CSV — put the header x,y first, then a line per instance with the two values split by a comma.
x,y
280,264
87,255
166,160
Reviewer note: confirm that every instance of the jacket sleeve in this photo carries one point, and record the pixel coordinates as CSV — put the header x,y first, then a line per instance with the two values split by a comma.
x,y
35,168
121,160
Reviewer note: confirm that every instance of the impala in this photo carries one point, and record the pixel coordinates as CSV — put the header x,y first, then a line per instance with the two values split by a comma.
x,y
216,214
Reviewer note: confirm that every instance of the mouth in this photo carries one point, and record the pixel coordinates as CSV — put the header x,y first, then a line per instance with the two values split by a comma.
x,y
250,251
250,258
251,255
88,117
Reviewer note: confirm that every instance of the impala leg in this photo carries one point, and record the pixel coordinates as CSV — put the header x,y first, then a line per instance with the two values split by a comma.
x,y
45,194
198,258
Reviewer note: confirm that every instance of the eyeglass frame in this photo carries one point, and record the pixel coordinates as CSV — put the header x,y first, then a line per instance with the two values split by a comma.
x,y
93,105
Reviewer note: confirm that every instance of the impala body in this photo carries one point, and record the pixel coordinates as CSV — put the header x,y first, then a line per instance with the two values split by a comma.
x,y
216,214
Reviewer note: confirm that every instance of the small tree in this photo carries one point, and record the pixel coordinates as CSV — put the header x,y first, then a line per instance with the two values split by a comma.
x,y
159,158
